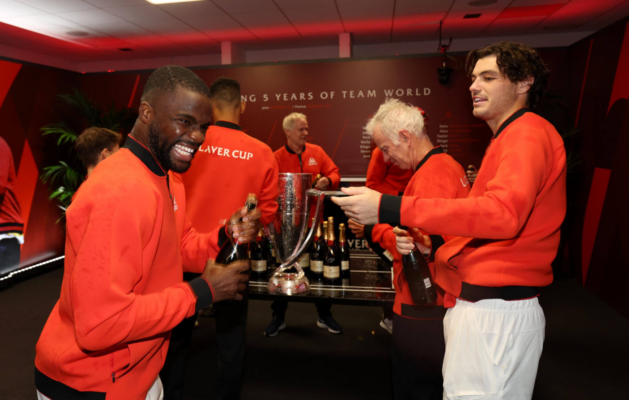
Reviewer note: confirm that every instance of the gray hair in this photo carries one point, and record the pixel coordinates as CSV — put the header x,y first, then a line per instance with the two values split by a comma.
x,y
394,116
289,120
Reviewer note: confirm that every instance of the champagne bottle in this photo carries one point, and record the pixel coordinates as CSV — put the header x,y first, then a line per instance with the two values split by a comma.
x,y
343,252
258,256
316,254
331,260
316,179
419,278
232,251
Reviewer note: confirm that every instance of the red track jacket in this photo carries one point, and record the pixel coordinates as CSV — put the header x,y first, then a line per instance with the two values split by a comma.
x,y
123,289
312,160
438,176
10,214
229,165
508,227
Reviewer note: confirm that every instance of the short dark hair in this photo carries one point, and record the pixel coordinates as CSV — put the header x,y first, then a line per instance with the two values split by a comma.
x,y
517,61
170,77
225,90
92,141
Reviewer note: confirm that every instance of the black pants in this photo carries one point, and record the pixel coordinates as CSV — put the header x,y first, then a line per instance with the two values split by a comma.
x,y
9,255
417,354
279,308
231,324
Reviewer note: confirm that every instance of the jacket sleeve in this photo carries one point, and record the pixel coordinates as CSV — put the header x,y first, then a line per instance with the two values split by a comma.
x,y
376,174
267,201
115,247
524,161
330,170
197,248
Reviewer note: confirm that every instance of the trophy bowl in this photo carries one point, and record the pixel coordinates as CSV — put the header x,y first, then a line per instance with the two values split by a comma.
x,y
291,231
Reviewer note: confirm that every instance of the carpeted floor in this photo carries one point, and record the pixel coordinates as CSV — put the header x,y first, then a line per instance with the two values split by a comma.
x,y
585,352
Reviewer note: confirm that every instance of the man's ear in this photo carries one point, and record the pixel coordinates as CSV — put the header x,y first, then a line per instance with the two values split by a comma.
x,y
104,153
404,136
243,105
525,85
146,113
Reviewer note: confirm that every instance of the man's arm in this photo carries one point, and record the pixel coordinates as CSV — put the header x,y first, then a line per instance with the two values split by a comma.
x,y
113,251
500,212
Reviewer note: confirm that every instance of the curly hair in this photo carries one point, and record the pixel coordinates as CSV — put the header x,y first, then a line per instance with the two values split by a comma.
x,y
516,61
92,141
170,77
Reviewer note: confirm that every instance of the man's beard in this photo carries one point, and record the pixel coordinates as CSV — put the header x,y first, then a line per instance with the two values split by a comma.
x,y
161,149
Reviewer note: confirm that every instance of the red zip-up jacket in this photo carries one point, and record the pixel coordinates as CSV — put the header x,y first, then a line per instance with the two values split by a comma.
x,y
312,160
10,213
122,289
385,177
228,166
437,176
509,225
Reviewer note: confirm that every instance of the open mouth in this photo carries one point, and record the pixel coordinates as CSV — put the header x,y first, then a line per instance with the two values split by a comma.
x,y
478,100
183,152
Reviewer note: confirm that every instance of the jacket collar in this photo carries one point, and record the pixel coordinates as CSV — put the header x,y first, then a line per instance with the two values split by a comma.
x,y
436,150
144,155
291,151
512,118
229,125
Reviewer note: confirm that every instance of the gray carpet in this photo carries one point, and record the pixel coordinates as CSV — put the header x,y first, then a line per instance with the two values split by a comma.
x,y
585,352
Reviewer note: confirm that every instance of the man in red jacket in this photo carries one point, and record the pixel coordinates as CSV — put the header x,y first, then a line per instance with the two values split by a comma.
x,y
507,231
398,129
297,156
229,165
11,223
126,248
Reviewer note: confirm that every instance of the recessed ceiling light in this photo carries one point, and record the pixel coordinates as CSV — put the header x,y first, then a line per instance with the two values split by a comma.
x,y
169,1
77,33
480,3
470,16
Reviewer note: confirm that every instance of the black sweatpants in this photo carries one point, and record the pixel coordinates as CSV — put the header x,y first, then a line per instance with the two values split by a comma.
x,y
279,308
9,255
417,351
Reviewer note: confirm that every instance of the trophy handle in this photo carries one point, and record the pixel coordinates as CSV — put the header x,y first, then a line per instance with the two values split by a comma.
x,y
319,196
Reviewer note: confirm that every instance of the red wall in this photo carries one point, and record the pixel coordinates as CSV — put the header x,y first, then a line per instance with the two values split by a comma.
x,y
598,230
28,95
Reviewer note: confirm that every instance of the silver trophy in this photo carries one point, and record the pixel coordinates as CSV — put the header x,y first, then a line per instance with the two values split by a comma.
x,y
292,230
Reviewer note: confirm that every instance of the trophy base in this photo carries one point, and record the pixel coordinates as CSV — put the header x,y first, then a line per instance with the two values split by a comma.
x,y
288,284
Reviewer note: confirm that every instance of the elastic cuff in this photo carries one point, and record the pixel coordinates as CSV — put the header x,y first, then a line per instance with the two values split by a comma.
x,y
203,290
223,236
389,211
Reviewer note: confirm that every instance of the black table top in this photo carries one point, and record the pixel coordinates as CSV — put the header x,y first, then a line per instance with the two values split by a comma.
x,y
369,284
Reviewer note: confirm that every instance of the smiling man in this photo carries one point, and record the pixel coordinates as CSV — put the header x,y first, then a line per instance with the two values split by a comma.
x,y
507,228
127,243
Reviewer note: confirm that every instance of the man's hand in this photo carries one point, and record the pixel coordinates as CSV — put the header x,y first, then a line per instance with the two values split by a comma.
x,y
227,280
357,229
405,242
361,205
322,183
247,230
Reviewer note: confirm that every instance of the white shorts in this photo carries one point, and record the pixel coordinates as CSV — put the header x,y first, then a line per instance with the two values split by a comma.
x,y
492,349
156,392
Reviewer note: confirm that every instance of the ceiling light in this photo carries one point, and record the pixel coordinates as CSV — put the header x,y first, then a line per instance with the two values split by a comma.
x,y
169,1
480,3
470,16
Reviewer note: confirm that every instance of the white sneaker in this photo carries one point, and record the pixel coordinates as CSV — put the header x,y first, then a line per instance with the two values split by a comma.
x,y
387,325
